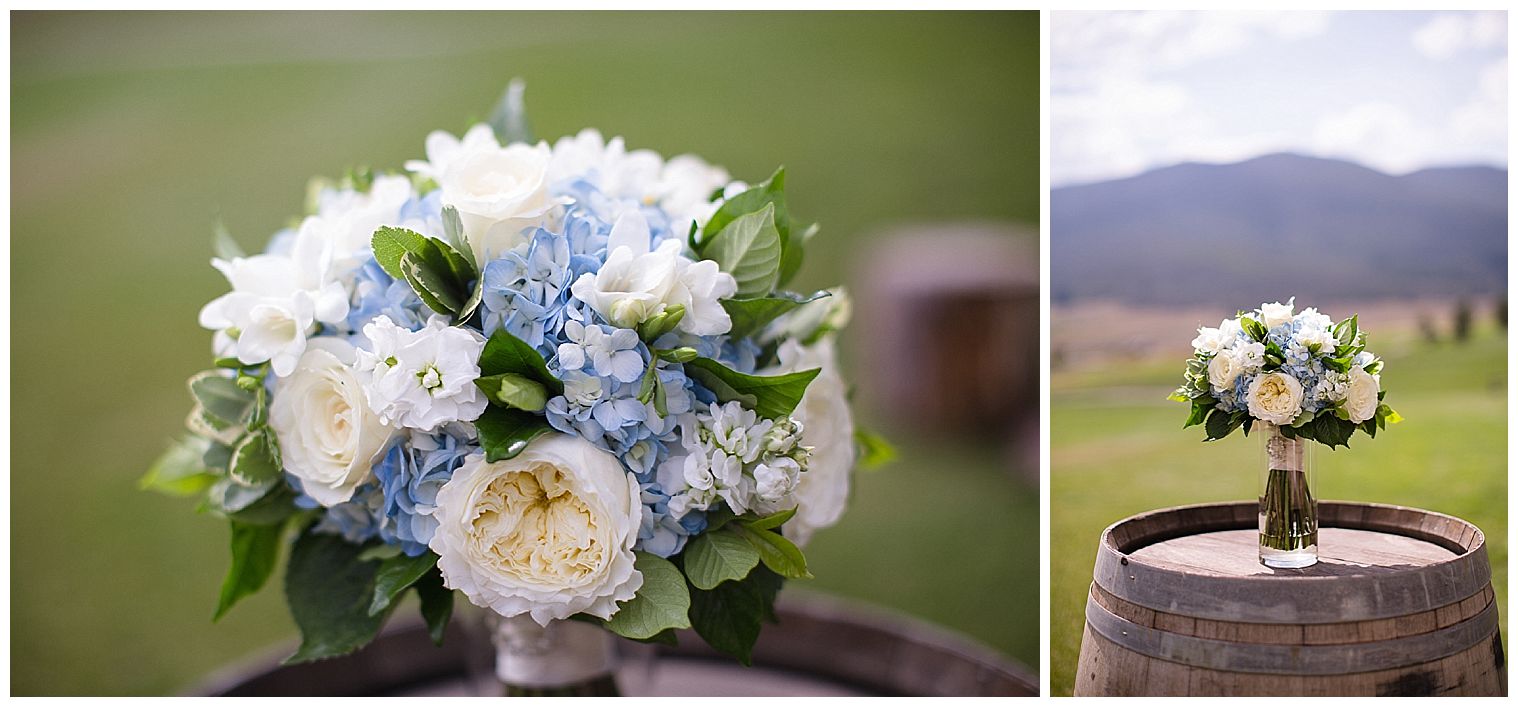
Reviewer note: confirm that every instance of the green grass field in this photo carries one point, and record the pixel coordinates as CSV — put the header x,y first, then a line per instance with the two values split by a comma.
x,y
1117,449
133,133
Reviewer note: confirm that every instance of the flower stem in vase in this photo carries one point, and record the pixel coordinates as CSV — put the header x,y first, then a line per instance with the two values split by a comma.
x,y
562,659
1288,509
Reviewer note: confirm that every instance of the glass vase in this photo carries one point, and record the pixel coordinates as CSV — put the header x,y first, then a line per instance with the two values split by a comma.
x,y
1288,506
562,659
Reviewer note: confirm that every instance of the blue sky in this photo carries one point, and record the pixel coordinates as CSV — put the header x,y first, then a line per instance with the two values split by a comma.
x,y
1397,91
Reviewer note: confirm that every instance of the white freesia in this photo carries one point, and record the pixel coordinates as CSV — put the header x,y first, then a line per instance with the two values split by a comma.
x,y
1316,340
1276,314
275,301
617,172
328,436
1223,369
685,188
1362,396
498,191
1210,340
1275,398
422,379
548,532
638,283
345,221
827,426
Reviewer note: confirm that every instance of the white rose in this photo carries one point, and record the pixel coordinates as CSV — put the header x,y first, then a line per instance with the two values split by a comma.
x,y
548,532
1275,398
1224,369
1276,314
275,301
499,191
1363,395
828,428
636,283
422,379
328,437
1210,340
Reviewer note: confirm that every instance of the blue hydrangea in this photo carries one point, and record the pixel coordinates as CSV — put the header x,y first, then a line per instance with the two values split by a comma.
x,y
376,293
409,477
658,532
526,291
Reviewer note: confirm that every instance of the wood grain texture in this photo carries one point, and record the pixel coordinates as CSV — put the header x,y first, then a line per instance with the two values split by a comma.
x,y
1400,604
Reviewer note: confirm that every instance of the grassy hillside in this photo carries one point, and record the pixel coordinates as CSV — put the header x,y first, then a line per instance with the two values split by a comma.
x,y
1117,449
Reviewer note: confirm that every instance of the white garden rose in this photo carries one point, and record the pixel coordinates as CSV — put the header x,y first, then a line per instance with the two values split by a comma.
x,y
637,283
1275,398
1363,396
328,437
828,428
1276,314
549,532
1223,369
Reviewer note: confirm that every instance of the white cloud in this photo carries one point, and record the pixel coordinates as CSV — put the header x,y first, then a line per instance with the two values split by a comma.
x,y
1377,134
1482,121
1448,34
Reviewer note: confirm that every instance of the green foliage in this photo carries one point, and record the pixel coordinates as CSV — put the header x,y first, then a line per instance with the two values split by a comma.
x,y
729,616
769,194
1253,328
180,470
255,552
875,450
750,316
254,461
505,353
714,557
505,432
395,575
514,390
661,323
748,248
274,506
221,398
446,279
768,522
329,590
1220,424
769,396
509,119
436,603
662,603
775,551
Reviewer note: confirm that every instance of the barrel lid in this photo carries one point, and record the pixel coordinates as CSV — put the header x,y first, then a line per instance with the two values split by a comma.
x,y
1411,560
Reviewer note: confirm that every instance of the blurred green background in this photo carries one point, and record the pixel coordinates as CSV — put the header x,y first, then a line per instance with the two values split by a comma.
x,y
133,133
1116,449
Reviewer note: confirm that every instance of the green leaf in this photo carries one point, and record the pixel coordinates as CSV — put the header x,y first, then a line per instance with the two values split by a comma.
x,y
1199,409
778,553
390,244
683,354
505,353
228,497
750,316
329,591
712,558
509,119
434,287
255,551
379,552
220,397
395,575
770,521
181,469
1220,424
874,450
769,396
1331,430
514,390
271,508
436,604
454,236
223,244
730,616
505,432
1254,329
662,603
718,517
749,250
254,462
770,193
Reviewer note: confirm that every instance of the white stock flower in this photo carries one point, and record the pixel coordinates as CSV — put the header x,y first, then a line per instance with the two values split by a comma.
x,y
275,301
637,283
1251,355
827,427
1362,396
1275,398
498,191
422,379
1210,340
328,436
548,532
1276,314
1223,369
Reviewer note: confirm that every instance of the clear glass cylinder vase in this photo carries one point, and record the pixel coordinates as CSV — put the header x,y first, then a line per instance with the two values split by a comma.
x,y
562,659
1288,502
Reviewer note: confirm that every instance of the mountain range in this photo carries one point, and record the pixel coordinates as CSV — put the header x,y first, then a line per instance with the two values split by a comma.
x,y
1277,226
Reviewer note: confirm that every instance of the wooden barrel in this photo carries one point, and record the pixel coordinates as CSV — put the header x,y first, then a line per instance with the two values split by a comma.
x,y
1400,603
822,646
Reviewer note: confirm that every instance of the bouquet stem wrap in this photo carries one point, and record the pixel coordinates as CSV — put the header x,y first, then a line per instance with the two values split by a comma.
x,y
564,658
1288,507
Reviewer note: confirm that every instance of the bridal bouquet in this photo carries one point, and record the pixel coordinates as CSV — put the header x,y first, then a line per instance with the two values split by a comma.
x,y
1294,376
565,380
